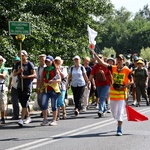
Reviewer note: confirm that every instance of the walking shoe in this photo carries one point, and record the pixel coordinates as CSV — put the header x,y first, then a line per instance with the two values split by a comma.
x,y
28,120
84,109
119,131
20,122
2,121
53,123
147,103
134,103
76,112
108,110
100,113
45,122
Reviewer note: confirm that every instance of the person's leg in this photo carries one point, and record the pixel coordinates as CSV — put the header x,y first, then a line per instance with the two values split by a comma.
x,y
62,103
15,103
44,107
3,105
102,92
120,115
138,94
85,98
144,94
74,91
54,97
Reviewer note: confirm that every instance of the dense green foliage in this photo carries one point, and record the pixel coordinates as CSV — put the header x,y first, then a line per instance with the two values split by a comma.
x,y
60,28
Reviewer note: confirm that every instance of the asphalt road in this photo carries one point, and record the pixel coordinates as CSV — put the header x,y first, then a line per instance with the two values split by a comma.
x,y
84,132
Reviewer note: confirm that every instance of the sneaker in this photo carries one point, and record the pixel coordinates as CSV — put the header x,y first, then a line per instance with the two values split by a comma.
x,y
84,109
76,112
45,122
108,110
134,103
53,123
93,103
28,120
2,121
97,106
119,131
20,122
100,113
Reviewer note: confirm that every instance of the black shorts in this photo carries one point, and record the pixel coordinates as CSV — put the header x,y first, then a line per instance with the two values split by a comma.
x,y
24,97
148,90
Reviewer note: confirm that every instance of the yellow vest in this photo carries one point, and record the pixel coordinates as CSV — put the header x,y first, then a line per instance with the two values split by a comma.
x,y
119,77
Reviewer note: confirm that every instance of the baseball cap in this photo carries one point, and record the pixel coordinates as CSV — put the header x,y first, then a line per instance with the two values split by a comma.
x,y
120,56
16,58
58,58
49,58
23,52
110,58
76,57
136,58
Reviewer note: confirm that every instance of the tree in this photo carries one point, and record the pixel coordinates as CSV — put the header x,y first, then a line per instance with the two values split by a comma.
x,y
145,53
58,27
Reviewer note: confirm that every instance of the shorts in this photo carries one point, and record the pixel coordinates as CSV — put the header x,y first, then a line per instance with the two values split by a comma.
x,y
148,90
3,101
118,109
24,97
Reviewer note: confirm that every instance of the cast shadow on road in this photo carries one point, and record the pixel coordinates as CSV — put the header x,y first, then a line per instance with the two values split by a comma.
x,y
102,134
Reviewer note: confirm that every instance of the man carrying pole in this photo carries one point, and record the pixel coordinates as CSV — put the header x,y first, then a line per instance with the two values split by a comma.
x,y
25,73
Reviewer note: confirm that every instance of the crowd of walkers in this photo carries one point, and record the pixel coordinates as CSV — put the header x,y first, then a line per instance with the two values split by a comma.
x,y
104,82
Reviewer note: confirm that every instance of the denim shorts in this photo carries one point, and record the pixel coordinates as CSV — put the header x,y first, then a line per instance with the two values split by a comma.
x,y
45,99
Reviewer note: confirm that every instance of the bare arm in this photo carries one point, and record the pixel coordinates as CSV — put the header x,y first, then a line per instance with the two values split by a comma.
x,y
100,61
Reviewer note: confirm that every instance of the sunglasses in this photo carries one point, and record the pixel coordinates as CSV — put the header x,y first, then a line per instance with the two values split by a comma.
x,y
1,60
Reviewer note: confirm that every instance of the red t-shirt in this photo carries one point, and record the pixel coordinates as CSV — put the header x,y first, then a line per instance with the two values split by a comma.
x,y
51,76
107,73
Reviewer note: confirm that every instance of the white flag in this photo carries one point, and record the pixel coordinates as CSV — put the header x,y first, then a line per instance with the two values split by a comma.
x,y
92,35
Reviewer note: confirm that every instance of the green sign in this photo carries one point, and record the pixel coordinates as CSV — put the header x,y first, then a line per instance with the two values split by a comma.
x,y
16,27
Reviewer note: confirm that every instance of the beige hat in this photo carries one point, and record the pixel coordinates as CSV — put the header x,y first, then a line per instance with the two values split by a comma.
x,y
42,55
58,58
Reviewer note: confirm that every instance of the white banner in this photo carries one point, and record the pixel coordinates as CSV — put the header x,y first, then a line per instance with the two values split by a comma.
x,y
92,35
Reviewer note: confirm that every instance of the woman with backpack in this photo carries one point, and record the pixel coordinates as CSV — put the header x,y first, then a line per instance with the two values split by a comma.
x,y
77,78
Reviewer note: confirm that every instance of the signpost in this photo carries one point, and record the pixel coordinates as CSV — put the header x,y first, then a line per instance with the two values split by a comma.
x,y
19,29
16,27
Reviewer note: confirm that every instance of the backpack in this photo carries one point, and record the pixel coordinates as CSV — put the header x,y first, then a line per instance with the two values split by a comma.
x,y
73,66
100,76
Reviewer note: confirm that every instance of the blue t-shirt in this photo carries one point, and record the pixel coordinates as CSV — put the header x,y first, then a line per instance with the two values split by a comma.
x,y
27,83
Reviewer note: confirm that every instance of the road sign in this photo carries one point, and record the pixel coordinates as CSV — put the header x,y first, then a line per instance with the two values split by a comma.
x,y
16,27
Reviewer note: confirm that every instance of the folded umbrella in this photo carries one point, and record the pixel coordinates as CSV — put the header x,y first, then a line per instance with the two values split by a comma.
x,y
134,115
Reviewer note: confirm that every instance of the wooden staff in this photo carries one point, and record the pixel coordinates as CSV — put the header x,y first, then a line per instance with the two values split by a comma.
x,y
21,64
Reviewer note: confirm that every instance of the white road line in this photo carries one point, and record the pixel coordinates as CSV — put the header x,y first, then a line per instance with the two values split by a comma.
x,y
74,132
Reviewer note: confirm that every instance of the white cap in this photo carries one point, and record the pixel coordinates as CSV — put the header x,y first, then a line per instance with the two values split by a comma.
x,y
76,57
23,52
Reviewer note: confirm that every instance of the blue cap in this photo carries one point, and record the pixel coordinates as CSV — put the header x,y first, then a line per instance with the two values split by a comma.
x,y
49,58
